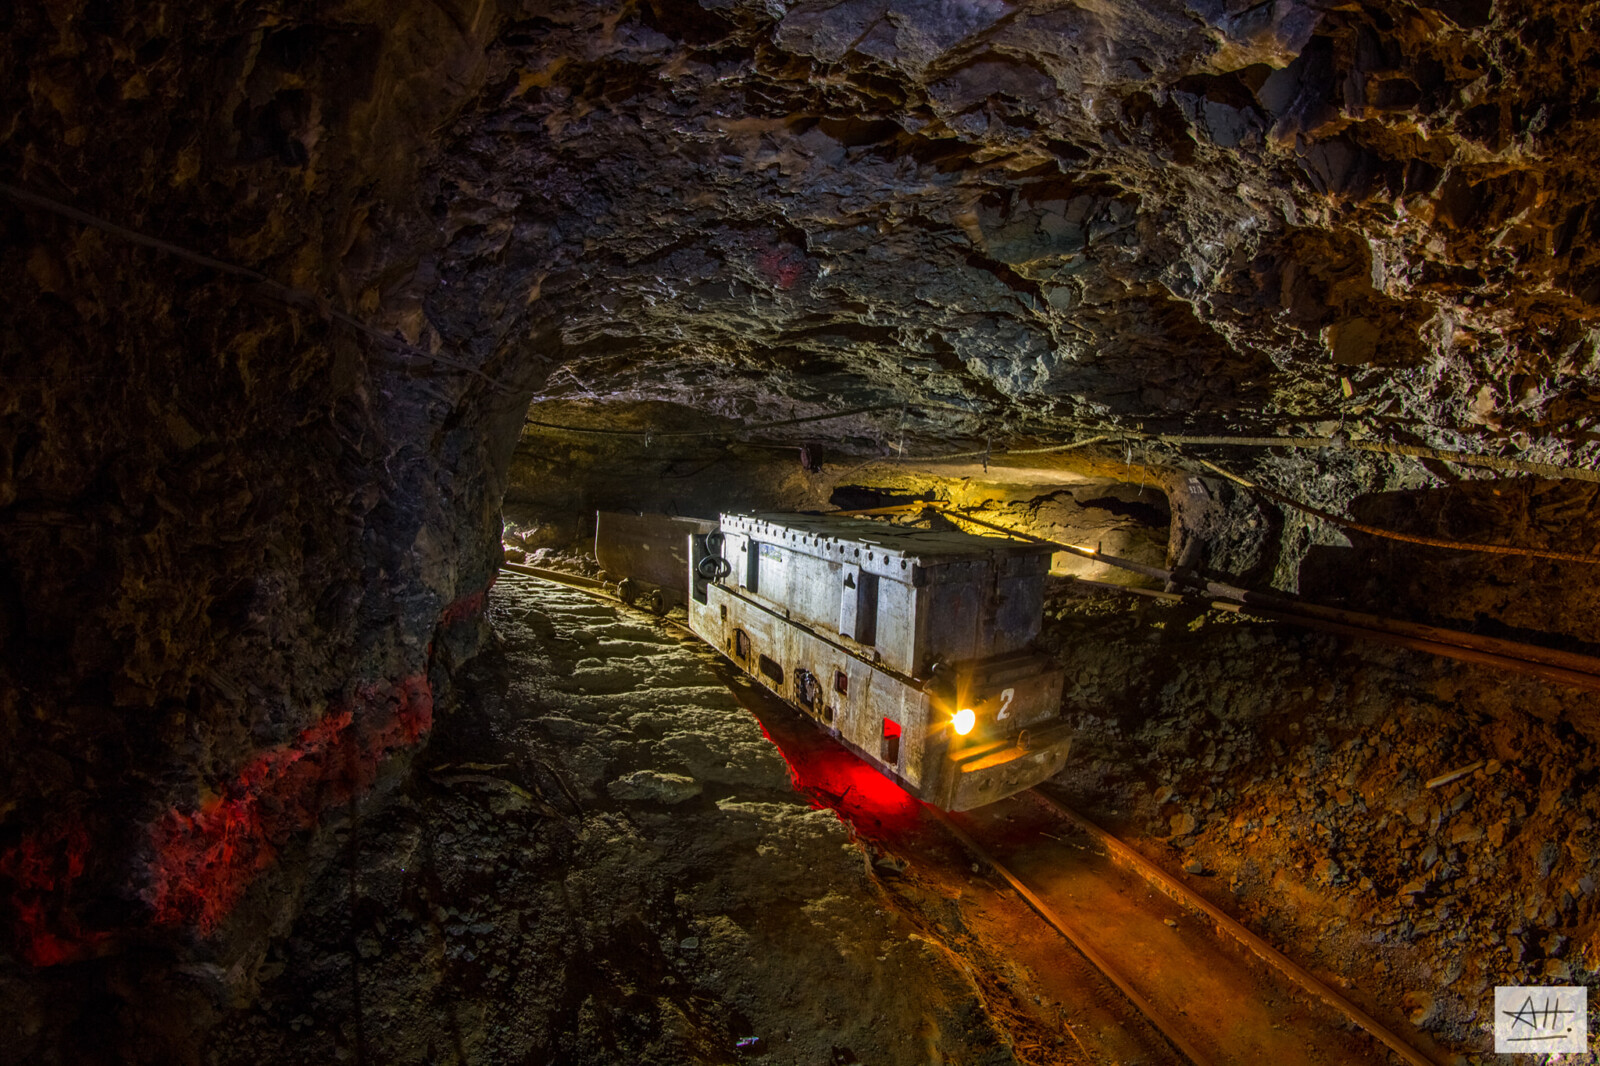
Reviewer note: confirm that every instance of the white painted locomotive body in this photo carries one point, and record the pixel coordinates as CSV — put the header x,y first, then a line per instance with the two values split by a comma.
x,y
885,634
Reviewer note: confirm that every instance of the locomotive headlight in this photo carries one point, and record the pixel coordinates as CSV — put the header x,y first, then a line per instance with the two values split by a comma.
x,y
964,720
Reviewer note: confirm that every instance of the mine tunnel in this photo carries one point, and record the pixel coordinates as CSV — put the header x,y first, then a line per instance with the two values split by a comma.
x,y
1239,363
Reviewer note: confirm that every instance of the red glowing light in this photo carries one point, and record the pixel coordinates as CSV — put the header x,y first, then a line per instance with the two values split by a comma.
x,y
836,778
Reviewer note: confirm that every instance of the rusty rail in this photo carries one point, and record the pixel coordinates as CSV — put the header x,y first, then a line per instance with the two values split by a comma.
x,y
1164,1025
1127,857
1170,886
558,576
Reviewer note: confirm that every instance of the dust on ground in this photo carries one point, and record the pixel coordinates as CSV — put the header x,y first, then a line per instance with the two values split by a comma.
x,y
601,860
1284,773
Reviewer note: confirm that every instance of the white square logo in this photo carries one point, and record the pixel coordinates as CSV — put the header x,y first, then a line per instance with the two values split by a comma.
x,y
1529,1020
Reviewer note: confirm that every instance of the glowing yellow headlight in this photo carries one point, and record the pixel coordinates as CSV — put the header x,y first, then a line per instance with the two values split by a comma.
x,y
964,720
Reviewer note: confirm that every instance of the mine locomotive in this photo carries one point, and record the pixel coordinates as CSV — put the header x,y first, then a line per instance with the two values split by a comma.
x,y
912,646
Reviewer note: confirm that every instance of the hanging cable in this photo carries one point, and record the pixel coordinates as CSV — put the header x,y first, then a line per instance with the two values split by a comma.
x,y
601,431
1414,451
284,293
302,298
981,452
1389,534
1550,470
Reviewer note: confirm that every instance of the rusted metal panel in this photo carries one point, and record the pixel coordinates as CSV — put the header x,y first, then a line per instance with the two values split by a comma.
x,y
652,550
984,777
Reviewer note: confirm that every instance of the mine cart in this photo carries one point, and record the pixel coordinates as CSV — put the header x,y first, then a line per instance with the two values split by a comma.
x,y
913,646
646,554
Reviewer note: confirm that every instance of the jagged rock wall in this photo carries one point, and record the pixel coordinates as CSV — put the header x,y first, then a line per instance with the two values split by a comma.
x,y
1371,220
240,544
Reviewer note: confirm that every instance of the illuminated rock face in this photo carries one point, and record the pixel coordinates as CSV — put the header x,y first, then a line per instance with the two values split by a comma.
x,y
1146,210
227,521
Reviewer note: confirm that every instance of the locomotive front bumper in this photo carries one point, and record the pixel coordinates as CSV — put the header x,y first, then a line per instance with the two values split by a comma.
x,y
990,771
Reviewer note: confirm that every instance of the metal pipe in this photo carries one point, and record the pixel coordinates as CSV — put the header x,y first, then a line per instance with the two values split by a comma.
x,y
1154,572
1562,667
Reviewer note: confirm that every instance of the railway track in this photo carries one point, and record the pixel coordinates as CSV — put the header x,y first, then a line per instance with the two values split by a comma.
x,y
1217,993
1227,927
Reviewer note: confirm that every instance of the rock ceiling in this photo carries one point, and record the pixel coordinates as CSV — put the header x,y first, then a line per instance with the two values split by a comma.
x,y
1048,214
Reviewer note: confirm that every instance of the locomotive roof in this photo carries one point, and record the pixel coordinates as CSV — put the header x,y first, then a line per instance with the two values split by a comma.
x,y
926,546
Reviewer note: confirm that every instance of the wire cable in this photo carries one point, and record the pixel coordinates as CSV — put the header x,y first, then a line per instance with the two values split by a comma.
x,y
1551,470
285,293
729,430
302,298
1389,534
986,453
1414,451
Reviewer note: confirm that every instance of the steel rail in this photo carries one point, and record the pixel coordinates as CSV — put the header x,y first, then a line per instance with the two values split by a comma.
x,y
577,581
1168,1030
1164,1025
1170,886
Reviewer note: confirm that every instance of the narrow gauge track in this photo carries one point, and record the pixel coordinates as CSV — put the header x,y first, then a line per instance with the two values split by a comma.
x,y
1226,926
1216,992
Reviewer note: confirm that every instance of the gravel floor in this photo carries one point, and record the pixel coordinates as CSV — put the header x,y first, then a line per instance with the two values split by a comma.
x,y
602,860
1284,774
